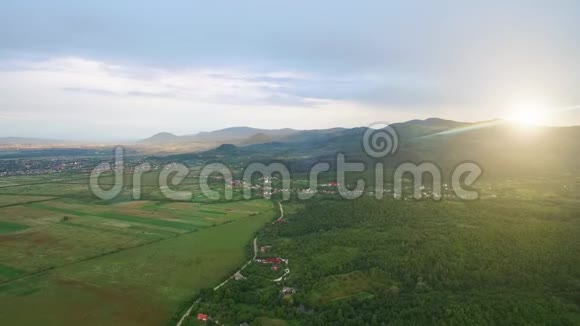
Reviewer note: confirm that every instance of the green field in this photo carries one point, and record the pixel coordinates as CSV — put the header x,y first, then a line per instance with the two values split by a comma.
x,y
8,227
72,259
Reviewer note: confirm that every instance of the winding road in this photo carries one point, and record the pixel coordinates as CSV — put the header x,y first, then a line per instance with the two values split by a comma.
x,y
242,268
281,213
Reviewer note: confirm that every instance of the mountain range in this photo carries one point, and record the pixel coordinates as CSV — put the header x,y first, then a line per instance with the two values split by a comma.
x,y
500,147
248,135
233,135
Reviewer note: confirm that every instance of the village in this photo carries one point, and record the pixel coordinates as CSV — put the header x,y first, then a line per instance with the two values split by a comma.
x,y
276,265
276,269
266,187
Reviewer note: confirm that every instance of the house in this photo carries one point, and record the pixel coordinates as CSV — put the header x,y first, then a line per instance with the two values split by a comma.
x,y
270,260
275,268
265,248
238,276
202,317
288,290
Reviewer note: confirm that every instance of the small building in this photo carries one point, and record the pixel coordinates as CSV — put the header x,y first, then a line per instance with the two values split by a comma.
x,y
238,276
275,268
288,290
202,317
271,260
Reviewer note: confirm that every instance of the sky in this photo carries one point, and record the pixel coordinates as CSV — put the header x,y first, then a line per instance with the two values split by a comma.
x,y
129,69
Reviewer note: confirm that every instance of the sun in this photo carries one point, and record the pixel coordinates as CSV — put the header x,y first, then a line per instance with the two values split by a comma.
x,y
528,115
527,118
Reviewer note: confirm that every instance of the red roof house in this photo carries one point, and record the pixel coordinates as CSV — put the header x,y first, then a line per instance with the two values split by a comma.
x,y
272,260
201,316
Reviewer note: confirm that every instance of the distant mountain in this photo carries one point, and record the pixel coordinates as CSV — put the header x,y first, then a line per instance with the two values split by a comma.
x,y
239,133
162,137
319,141
248,135
435,123
234,135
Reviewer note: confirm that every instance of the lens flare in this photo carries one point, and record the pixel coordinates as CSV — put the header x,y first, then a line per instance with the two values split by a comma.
x,y
528,114
528,117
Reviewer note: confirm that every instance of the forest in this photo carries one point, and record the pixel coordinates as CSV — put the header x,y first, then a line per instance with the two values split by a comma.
x,y
371,262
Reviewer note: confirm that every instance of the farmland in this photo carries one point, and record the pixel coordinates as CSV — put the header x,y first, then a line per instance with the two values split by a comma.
x,y
72,258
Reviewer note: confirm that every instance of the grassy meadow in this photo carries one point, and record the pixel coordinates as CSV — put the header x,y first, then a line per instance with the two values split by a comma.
x,y
72,258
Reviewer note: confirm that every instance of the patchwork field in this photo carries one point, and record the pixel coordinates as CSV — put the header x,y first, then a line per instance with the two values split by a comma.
x,y
73,260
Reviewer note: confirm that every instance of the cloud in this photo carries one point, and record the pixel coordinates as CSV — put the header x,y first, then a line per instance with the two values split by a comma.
x,y
89,91
230,86
212,86
76,97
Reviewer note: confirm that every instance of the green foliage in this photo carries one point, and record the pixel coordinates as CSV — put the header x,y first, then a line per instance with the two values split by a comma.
x,y
367,262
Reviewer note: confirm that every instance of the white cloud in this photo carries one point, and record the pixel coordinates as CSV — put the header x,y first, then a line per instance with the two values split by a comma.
x,y
233,87
69,96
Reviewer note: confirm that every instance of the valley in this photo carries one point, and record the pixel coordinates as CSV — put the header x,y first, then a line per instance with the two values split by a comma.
x,y
73,258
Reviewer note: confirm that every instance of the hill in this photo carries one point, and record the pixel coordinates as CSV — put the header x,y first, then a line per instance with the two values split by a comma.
x,y
234,135
240,133
162,137
259,138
